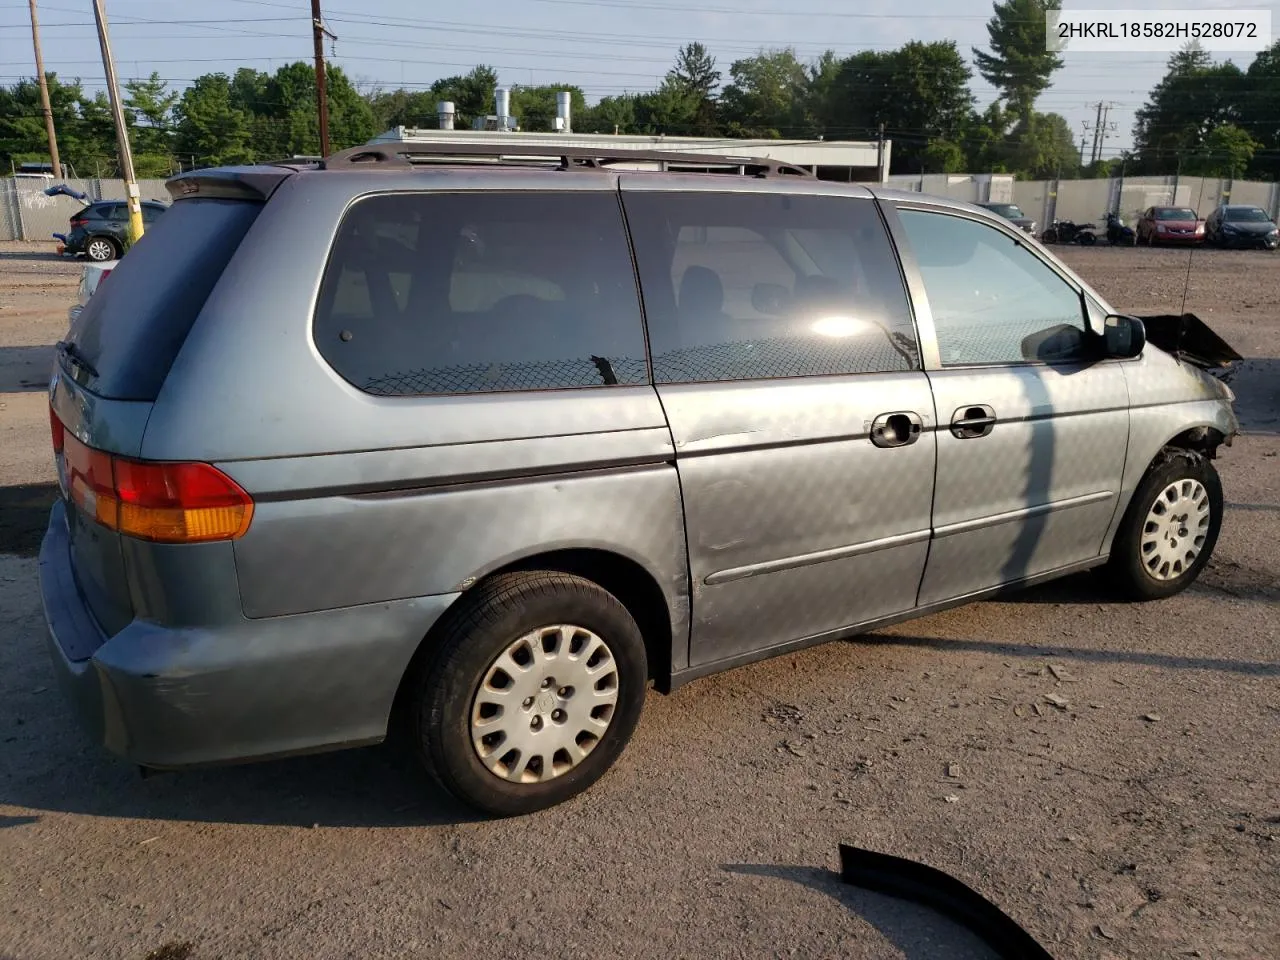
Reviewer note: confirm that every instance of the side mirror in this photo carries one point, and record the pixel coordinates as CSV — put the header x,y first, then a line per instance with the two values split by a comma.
x,y
1123,337
771,299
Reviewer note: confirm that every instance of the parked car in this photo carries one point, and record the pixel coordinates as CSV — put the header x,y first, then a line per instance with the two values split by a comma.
x,y
394,450
91,277
1013,213
100,230
1241,225
1170,225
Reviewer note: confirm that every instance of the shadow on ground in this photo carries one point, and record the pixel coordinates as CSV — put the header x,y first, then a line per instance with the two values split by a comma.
x,y
25,369
917,932
1256,384
370,787
24,514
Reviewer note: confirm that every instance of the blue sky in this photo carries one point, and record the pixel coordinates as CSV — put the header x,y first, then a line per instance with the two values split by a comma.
x,y
605,46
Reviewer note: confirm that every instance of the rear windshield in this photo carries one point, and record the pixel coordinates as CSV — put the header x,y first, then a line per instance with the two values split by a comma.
x,y
134,325
1247,215
1175,213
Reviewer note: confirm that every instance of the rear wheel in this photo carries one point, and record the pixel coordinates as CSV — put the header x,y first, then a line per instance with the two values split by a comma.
x,y
1049,236
533,692
101,249
1087,239
1169,530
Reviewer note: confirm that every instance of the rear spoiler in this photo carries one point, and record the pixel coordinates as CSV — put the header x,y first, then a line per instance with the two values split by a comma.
x,y
228,183
1189,339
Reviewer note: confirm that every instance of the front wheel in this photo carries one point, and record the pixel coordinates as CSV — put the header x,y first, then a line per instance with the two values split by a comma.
x,y
1086,239
1169,530
533,691
101,249
1049,236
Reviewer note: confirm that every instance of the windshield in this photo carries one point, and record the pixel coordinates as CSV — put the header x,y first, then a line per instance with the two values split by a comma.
x,y
1175,213
1246,215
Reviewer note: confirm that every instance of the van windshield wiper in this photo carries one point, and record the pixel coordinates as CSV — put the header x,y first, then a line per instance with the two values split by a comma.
x,y
72,353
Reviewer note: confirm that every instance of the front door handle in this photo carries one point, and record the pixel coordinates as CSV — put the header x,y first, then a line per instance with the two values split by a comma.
x,y
973,422
899,429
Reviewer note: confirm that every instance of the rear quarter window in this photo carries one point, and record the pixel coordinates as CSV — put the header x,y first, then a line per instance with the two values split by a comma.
x,y
132,329
428,294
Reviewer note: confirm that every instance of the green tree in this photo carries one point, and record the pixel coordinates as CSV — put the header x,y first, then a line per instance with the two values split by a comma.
x,y
768,96
471,94
1019,65
1044,147
400,107
610,115
694,80
149,107
84,144
535,107
1225,152
1195,96
209,129
920,92
1260,111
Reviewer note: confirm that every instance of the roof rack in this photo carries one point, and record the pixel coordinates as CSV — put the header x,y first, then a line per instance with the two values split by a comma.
x,y
402,155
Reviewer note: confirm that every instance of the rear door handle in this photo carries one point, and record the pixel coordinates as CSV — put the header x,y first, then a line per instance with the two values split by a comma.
x,y
900,429
973,422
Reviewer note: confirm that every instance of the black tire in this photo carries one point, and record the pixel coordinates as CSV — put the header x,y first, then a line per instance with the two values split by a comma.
x,y
484,624
95,247
1126,572
1049,236
1087,239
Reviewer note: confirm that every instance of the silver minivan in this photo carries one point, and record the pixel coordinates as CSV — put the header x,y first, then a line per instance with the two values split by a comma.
x,y
475,447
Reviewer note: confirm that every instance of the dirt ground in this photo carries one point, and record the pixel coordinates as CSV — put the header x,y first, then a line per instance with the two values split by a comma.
x,y
1141,818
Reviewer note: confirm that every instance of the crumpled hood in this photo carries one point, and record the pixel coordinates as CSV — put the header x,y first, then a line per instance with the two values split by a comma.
x,y
1188,338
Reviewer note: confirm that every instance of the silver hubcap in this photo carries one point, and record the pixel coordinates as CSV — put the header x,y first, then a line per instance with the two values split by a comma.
x,y
544,704
99,250
1176,528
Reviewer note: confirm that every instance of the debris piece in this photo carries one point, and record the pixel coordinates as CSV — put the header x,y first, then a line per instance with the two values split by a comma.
x,y
1102,932
951,798
1118,683
793,747
875,730
1060,702
787,713
1035,708
1019,710
1151,717
953,770
143,843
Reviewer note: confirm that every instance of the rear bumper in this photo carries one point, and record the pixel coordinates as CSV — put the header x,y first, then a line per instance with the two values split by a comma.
x,y
170,697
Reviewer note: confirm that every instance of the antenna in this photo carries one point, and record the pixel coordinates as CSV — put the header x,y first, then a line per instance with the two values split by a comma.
x,y
1186,283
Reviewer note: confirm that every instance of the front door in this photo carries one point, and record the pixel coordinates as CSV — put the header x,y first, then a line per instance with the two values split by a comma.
x,y
786,360
1032,432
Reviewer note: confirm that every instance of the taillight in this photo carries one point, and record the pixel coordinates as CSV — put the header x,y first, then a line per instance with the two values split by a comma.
x,y
78,221
163,502
56,428
180,502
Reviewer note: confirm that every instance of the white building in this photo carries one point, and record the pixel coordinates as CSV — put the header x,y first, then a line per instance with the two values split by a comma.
x,y
829,159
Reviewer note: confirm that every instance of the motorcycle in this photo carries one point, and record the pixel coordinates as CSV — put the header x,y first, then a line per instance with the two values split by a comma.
x,y
1068,231
1118,234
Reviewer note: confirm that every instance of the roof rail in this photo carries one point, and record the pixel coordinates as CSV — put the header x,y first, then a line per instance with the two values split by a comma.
x,y
400,154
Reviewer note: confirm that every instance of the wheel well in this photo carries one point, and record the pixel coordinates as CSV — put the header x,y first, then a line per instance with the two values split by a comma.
x,y
631,583
1204,440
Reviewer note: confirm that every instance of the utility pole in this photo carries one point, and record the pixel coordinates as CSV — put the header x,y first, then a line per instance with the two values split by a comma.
x,y
322,99
881,174
122,131
44,94
1097,129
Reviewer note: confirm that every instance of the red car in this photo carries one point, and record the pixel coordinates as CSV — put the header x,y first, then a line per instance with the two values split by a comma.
x,y
1170,225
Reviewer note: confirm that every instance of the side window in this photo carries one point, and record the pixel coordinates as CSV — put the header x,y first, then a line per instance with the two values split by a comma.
x,y
481,292
116,213
151,214
993,300
751,286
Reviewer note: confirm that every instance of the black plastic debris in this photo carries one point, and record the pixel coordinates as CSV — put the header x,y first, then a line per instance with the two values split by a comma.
x,y
1189,338
928,887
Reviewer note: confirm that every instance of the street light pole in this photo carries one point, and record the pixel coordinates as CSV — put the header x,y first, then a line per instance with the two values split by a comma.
x,y
122,131
44,94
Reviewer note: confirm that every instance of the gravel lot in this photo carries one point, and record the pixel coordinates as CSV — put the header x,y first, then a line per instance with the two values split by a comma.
x,y
1142,819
